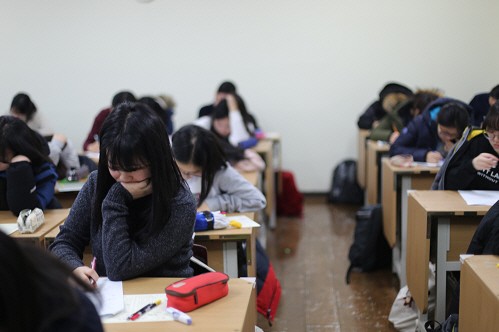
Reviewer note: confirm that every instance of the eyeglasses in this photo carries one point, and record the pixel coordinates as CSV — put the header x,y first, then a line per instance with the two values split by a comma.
x,y
490,135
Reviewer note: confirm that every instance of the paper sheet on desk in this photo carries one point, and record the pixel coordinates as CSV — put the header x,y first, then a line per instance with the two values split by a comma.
x,y
133,303
245,221
111,296
479,197
68,186
8,228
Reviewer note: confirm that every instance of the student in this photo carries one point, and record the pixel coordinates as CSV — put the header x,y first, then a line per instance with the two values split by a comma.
x,y
227,121
62,151
223,90
400,111
216,185
136,212
234,134
39,293
430,136
92,141
472,165
27,175
481,104
375,112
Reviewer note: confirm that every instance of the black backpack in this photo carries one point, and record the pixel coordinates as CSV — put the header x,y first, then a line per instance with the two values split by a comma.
x,y
369,250
344,186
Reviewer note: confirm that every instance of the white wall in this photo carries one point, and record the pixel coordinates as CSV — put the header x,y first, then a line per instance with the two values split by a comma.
x,y
307,69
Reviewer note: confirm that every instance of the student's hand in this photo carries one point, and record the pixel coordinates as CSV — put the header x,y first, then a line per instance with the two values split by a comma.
x,y
484,161
231,102
433,157
60,137
138,189
85,273
375,124
393,137
93,147
19,158
204,207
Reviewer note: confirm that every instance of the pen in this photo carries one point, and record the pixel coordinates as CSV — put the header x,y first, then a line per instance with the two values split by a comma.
x,y
179,316
144,310
92,266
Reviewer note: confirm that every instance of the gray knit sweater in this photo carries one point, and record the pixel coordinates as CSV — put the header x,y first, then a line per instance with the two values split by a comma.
x,y
119,254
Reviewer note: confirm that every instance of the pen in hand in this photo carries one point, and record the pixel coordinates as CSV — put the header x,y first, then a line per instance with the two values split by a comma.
x,y
144,310
92,266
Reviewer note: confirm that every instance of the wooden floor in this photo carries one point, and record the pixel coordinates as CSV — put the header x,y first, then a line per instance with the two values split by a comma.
x,y
310,257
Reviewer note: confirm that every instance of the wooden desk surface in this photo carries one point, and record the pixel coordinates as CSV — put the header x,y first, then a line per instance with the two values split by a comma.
x,y
234,312
375,149
421,179
425,207
53,218
479,296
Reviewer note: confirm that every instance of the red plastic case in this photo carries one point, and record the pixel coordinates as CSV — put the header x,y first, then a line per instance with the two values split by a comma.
x,y
191,293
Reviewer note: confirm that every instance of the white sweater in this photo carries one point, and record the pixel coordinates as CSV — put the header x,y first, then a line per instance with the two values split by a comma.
x,y
238,132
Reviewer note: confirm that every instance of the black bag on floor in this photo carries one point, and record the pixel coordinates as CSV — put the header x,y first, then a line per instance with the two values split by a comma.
x,y
344,185
369,250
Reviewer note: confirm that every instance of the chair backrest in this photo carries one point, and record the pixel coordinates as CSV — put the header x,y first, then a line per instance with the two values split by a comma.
x,y
199,259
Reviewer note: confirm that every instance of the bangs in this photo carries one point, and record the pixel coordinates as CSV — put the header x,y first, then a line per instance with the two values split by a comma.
x,y
491,121
126,157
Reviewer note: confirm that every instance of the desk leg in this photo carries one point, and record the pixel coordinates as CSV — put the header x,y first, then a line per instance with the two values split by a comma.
x,y
406,184
443,242
230,259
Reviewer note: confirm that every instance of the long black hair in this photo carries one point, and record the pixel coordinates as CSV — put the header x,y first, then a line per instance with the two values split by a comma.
x,y
33,283
195,145
131,136
16,136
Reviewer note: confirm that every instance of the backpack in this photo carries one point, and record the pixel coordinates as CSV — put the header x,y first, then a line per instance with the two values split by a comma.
x,y
289,200
268,287
369,250
344,185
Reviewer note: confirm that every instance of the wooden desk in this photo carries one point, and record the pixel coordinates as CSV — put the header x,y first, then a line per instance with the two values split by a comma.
x,y
479,295
266,148
438,220
361,157
375,151
222,248
234,312
53,218
396,183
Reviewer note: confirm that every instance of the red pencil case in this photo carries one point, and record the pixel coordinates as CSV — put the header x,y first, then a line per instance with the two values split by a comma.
x,y
191,293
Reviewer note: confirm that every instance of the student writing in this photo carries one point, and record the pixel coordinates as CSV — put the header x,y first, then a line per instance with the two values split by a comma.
x,y
136,212
472,165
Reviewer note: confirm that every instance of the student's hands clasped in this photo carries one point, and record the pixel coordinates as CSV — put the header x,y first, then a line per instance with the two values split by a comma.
x,y
484,161
138,189
87,274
